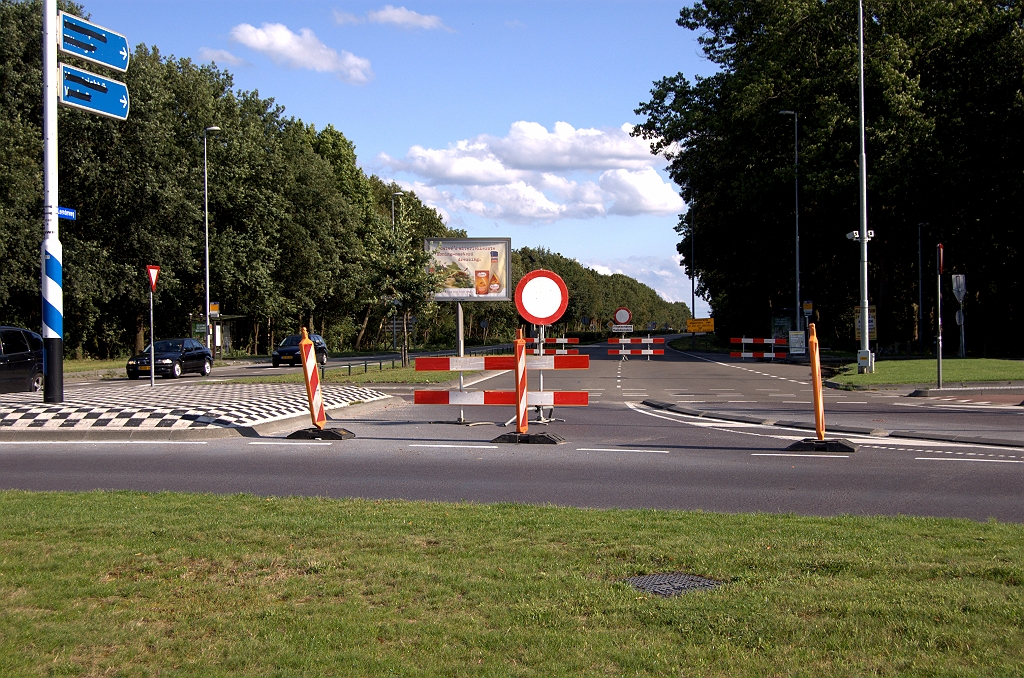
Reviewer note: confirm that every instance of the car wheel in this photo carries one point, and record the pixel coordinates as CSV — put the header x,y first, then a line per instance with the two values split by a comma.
x,y
276,363
175,370
133,375
323,361
207,368
35,384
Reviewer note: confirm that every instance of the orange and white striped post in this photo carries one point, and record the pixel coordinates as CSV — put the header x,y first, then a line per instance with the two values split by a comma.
x,y
519,347
312,377
819,407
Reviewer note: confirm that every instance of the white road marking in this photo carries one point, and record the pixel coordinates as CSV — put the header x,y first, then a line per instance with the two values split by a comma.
x,y
104,442
599,449
781,454
292,442
1004,461
468,447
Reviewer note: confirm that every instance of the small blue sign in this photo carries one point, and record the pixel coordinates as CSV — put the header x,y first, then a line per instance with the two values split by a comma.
x,y
67,213
90,92
93,43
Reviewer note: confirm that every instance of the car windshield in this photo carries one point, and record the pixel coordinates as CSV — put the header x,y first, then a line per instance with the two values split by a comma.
x,y
292,340
167,346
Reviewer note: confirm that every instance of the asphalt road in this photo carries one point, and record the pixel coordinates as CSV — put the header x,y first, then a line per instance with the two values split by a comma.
x,y
619,453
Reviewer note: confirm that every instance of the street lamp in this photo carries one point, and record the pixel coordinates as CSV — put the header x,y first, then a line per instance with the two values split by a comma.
x,y
393,209
206,214
796,209
865,361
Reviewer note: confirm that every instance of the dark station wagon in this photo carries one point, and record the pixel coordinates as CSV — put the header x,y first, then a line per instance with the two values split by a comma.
x,y
21,360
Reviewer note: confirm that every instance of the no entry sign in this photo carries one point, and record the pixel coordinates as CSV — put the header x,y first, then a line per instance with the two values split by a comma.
x,y
622,315
541,297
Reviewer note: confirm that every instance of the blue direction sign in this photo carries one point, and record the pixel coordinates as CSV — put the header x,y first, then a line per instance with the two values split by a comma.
x,y
95,43
67,213
93,93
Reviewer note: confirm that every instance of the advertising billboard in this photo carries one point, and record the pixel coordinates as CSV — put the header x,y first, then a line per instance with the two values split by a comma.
x,y
474,269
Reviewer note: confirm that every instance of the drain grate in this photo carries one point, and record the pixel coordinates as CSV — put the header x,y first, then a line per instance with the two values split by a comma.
x,y
671,584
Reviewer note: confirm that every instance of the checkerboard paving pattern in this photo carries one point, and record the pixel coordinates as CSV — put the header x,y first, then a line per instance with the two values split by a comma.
x,y
209,406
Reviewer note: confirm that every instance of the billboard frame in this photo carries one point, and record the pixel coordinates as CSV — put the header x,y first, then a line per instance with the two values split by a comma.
x,y
432,245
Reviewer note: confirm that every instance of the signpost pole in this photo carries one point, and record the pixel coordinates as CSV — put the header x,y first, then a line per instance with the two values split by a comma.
x,y
938,312
152,344
460,340
52,251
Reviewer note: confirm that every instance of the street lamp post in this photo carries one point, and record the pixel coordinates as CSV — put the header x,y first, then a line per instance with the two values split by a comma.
x,y
865,361
206,229
796,208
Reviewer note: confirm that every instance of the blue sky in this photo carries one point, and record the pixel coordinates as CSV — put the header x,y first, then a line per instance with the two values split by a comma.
x,y
510,117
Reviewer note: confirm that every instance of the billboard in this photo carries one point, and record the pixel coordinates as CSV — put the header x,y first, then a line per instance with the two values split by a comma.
x,y
474,269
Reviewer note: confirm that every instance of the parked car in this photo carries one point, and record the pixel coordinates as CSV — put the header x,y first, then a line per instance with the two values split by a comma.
x,y
173,357
21,360
288,350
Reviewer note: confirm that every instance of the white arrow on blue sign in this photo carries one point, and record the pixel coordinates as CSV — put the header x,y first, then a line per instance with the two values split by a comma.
x,y
90,92
67,213
94,43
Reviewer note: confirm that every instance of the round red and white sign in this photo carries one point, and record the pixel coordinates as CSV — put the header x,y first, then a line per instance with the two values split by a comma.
x,y
541,297
622,315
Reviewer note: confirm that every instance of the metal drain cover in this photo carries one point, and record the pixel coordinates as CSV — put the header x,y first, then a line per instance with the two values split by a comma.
x,y
671,584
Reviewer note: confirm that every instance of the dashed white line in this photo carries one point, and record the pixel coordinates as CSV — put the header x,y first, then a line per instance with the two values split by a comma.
x,y
290,442
460,447
600,449
782,454
1003,461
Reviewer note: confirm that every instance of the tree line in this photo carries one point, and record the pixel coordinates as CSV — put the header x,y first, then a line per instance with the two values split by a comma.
x,y
299,235
944,110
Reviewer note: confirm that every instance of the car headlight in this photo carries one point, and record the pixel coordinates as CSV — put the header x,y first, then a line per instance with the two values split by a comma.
x,y
131,362
277,353
165,361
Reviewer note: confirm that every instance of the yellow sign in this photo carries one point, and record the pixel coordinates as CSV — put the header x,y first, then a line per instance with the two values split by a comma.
x,y
700,325
872,332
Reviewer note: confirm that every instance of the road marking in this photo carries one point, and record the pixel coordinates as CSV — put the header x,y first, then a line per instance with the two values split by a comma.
x,y
1003,461
599,449
781,454
461,447
104,442
292,442
796,402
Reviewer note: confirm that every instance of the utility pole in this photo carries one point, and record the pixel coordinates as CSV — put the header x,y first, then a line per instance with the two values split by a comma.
x,y
865,359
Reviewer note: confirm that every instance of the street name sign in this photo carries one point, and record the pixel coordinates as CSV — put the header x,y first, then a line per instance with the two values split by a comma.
x,y
622,328
67,213
93,43
93,93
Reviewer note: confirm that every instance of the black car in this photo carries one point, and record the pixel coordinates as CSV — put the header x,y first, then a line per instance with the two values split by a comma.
x,y
21,360
288,350
174,357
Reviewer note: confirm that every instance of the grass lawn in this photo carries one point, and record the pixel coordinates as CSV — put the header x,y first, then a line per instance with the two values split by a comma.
x,y
377,373
139,584
91,365
923,371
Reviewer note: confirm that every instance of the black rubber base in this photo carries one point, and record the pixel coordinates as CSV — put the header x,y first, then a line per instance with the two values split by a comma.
x,y
827,445
530,438
325,434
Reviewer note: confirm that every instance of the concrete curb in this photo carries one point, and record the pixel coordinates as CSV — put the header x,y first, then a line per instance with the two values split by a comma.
x,y
856,430
968,390
167,434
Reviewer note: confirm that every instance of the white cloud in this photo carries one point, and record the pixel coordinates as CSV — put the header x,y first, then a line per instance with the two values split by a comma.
x,y
405,18
663,274
302,50
222,57
342,18
533,175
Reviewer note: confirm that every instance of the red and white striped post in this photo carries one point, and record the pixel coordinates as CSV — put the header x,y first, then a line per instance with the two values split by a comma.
x,y
312,378
519,346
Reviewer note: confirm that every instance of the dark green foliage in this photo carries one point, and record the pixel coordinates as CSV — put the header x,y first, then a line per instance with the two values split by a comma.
x,y
944,108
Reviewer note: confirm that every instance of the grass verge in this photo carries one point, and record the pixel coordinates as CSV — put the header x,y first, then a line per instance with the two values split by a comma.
x,y
138,584
91,365
377,373
923,371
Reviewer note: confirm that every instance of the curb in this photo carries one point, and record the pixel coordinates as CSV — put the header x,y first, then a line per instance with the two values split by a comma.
x,y
164,435
856,430
968,390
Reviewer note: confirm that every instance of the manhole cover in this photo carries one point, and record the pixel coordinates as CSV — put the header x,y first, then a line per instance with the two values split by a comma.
x,y
671,584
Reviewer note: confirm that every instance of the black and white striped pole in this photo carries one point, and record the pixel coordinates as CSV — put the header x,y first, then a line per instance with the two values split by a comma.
x,y
52,252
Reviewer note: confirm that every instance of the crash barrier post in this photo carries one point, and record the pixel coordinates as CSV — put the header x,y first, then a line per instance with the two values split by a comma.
x,y
637,351
554,351
522,411
744,353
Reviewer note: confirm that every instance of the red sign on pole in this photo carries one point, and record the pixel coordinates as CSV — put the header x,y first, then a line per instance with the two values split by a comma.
x,y
542,297
152,272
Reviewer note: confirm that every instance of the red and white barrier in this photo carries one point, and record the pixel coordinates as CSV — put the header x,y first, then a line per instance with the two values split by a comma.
x,y
637,340
533,398
636,351
502,362
553,351
555,340
522,420
312,379
744,353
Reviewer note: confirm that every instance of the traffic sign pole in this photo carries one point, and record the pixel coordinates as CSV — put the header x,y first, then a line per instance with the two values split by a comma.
x,y
52,252
152,272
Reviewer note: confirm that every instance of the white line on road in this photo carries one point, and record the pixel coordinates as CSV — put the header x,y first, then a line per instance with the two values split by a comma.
x,y
460,447
289,442
998,461
780,454
104,442
599,449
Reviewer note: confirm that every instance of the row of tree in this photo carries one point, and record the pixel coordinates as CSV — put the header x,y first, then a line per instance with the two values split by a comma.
x,y
944,110
298,233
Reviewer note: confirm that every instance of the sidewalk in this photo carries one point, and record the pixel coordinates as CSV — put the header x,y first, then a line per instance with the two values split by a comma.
x,y
167,412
